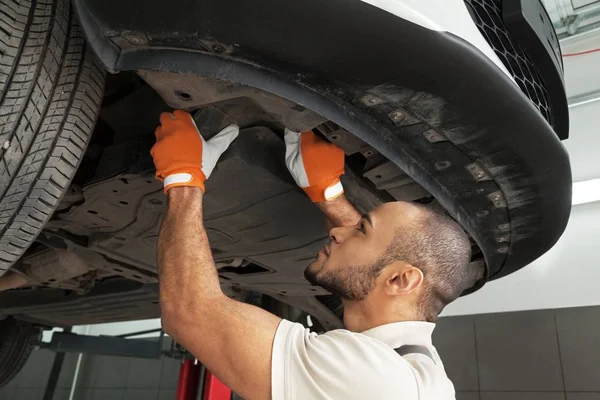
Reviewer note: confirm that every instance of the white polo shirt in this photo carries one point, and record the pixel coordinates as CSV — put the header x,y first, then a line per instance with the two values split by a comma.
x,y
344,365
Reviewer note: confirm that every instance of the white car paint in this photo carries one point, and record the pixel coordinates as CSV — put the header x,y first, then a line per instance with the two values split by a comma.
x,y
450,16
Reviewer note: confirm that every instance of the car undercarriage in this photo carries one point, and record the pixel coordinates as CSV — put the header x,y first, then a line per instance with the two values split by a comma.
x,y
437,123
262,228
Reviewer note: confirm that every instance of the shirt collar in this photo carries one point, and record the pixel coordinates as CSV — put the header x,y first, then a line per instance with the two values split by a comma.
x,y
403,333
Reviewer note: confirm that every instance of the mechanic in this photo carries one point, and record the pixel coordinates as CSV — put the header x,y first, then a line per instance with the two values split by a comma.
x,y
394,268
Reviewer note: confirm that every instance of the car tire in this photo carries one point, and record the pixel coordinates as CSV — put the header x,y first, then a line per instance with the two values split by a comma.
x,y
51,88
17,339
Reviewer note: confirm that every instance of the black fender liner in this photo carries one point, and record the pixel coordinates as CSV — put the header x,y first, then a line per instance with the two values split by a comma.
x,y
509,180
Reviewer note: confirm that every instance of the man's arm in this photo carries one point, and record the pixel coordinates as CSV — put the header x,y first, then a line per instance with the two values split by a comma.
x,y
232,339
316,166
339,212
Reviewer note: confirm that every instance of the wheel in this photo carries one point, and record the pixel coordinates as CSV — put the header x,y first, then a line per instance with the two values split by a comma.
x,y
50,92
16,342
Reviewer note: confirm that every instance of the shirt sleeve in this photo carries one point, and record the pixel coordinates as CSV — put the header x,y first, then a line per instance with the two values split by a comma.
x,y
337,365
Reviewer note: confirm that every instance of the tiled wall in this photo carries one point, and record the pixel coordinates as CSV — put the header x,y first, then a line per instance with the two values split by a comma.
x,y
101,378
531,355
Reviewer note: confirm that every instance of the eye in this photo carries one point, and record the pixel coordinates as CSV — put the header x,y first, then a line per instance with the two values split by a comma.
x,y
361,226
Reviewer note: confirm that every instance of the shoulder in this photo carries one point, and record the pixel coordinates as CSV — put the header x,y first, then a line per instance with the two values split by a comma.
x,y
347,364
430,376
340,342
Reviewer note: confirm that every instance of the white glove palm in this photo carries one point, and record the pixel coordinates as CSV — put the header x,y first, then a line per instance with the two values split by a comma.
x,y
216,146
315,164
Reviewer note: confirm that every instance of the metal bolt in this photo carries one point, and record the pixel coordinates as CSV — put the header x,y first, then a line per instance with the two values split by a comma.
x,y
367,153
503,239
476,171
218,48
370,100
503,249
497,199
442,165
503,227
397,116
6,144
433,137
482,213
134,40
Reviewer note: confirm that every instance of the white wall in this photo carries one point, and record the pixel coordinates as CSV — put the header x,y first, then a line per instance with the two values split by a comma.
x,y
584,142
566,276
581,71
582,76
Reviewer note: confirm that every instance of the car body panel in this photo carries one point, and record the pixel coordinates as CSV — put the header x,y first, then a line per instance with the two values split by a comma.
x,y
450,16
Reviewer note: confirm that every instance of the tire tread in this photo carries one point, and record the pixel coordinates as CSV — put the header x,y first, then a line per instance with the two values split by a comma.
x,y
50,93
17,340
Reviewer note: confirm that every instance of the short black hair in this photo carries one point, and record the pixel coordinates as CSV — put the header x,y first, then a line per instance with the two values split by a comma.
x,y
439,247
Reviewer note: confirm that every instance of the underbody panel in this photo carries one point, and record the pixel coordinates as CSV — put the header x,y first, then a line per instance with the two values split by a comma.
x,y
422,115
254,211
356,69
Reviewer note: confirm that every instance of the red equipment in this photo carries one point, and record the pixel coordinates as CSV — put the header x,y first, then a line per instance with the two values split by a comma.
x,y
189,379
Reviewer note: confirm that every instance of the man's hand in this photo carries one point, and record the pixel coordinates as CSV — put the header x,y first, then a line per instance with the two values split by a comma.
x,y
315,164
181,155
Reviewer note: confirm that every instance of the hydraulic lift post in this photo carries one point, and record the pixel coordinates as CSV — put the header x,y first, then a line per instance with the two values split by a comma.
x,y
214,389
191,381
193,377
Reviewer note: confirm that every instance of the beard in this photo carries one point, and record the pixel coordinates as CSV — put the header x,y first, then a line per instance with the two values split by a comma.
x,y
352,282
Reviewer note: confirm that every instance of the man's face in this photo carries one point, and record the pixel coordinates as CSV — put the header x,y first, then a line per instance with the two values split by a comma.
x,y
345,265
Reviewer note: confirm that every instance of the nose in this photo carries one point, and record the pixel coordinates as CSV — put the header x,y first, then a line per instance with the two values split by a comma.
x,y
339,234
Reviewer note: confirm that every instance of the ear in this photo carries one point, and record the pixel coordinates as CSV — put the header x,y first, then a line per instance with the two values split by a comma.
x,y
403,279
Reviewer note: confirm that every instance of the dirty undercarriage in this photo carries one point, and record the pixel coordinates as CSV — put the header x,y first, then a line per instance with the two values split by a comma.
x,y
262,228
422,115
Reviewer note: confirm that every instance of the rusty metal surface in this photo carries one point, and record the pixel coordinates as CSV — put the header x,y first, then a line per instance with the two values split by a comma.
x,y
192,91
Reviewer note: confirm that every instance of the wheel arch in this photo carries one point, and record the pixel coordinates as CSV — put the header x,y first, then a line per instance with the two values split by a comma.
x,y
515,211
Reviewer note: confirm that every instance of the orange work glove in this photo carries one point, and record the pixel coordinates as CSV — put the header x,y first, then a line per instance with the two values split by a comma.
x,y
181,155
315,164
